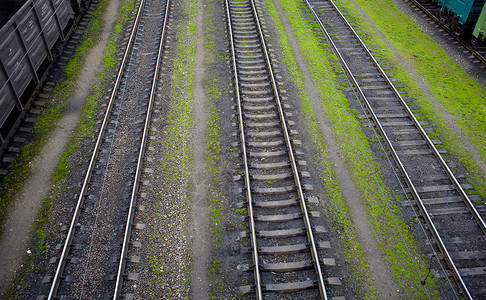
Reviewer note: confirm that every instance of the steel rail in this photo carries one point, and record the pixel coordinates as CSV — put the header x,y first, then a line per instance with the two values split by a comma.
x,y
300,192
77,212
133,198
313,248
448,30
251,218
395,156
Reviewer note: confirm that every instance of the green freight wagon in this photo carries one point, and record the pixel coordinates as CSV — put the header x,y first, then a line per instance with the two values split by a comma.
x,y
460,15
479,32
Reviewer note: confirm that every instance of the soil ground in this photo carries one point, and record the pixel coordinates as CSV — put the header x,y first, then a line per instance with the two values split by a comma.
x,y
200,243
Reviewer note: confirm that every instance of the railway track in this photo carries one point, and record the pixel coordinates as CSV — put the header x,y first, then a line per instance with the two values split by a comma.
x,y
430,9
95,251
452,219
284,242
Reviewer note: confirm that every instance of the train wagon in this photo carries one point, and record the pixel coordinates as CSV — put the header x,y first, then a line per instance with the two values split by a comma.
x,y
26,45
460,15
479,32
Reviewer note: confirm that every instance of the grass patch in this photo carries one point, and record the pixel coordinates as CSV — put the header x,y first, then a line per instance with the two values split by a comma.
x,y
46,122
455,90
386,224
216,273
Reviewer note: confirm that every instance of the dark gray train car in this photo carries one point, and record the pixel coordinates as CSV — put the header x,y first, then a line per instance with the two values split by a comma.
x,y
26,44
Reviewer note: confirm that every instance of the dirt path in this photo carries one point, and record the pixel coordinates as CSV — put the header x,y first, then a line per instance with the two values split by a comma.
x,y
200,214
27,203
385,286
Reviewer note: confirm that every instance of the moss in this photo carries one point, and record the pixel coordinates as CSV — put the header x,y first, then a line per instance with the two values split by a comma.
x,y
216,273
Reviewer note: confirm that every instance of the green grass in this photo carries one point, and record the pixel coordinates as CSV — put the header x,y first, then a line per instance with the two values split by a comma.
x,y
46,122
216,273
374,196
455,90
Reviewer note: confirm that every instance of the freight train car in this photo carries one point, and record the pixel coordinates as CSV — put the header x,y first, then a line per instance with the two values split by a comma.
x,y
27,41
460,15
479,33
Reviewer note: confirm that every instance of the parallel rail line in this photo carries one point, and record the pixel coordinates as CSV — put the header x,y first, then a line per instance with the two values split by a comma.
x,y
121,79
276,201
444,204
138,172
